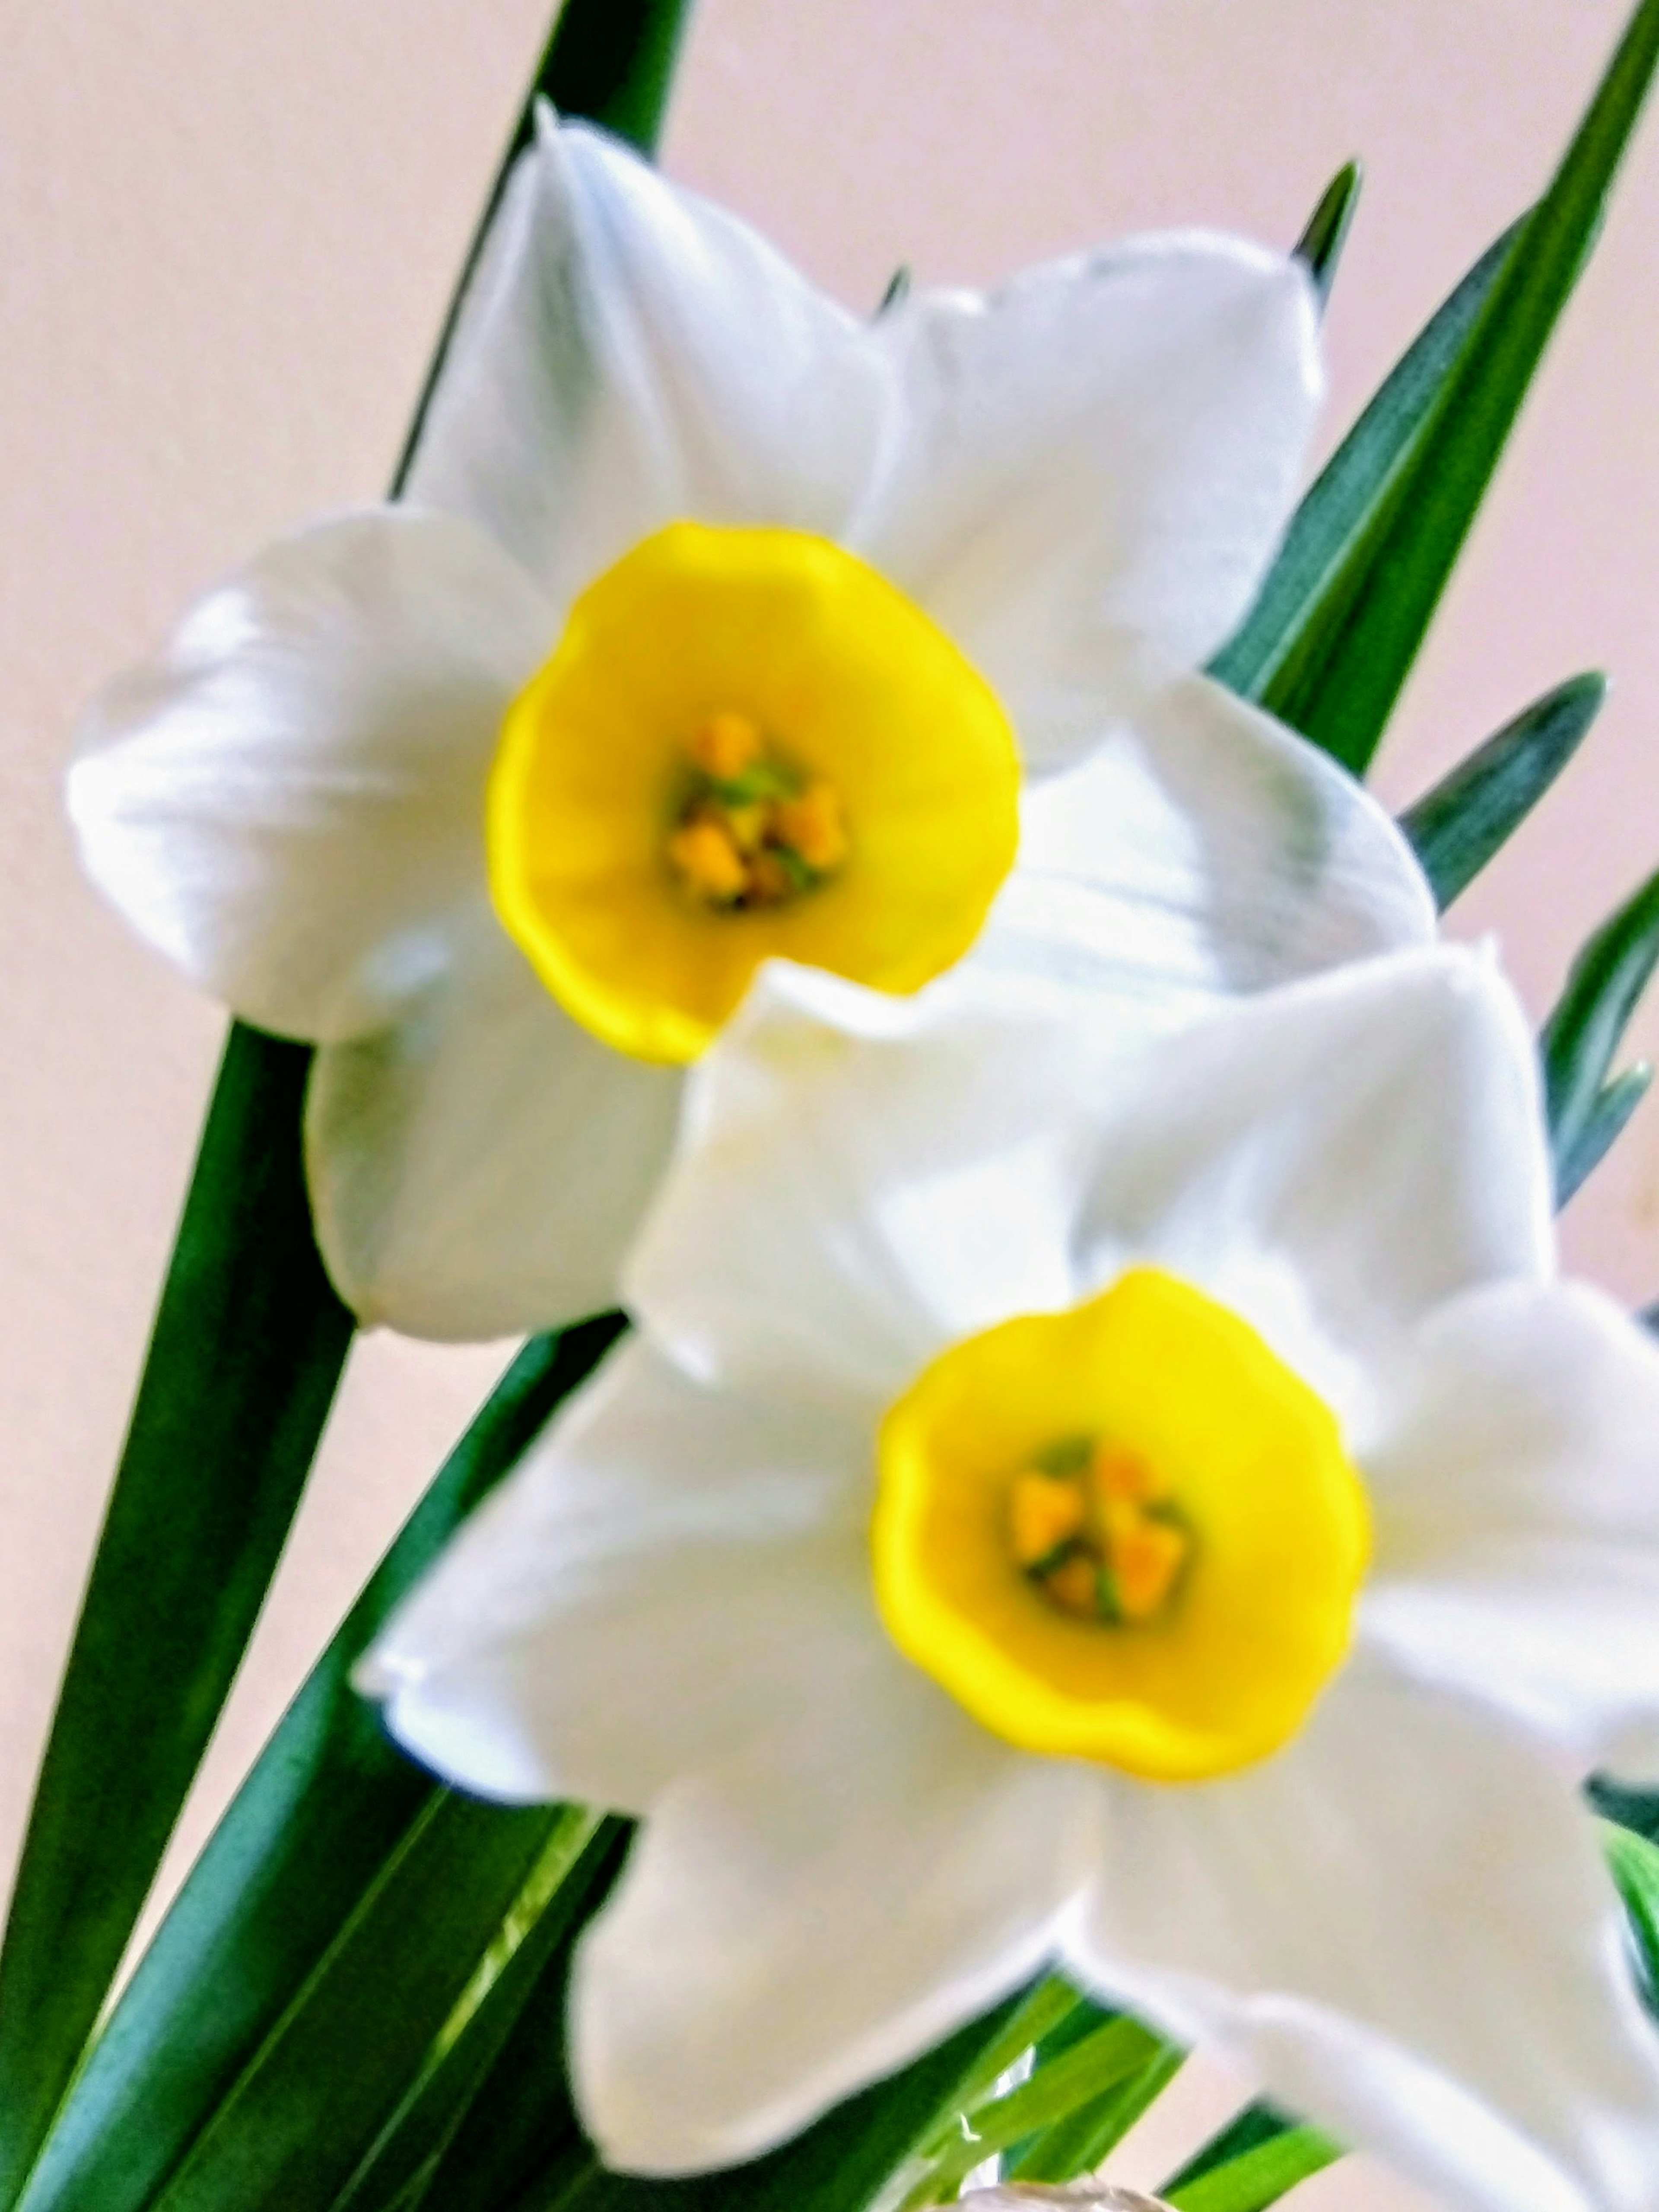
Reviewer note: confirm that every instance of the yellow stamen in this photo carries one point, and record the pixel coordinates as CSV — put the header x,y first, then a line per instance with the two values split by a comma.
x,y
1146,1558
812,826
725,744
706,857
1115,1473
1043,1512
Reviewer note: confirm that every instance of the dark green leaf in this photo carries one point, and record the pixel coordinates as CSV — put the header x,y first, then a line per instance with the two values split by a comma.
x,y
401,2163
1585,1030
898,290
313,2100
1635,1809
1254,2179
1457,828
1257,2123
247,1349
521,2148
246,1353
330,1803
1339,681
1306,581
1322,243
1615,1104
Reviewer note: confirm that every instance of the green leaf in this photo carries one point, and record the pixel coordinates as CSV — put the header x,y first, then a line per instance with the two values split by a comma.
x,y
312,2100
1111,2054
539,1930
1615,1104
1634,1860
1328,530
330,1804
521,2148
1257,2123
1322,243
1254,2179
1076,2144
1340,682
1586,1028
1457,828
247,1348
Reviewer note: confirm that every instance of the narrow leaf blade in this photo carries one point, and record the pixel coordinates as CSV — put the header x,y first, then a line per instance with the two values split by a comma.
x,y
1606,1123
1322,243
1306,579
1340,683
1257,2178
247,1349
1458,827
1588,1022
329,1802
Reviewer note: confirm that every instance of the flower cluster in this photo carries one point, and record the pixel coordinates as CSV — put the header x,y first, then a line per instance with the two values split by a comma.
x,y
1105,1471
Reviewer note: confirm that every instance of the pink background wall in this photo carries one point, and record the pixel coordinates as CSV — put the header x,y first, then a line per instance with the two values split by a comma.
x,y
227,234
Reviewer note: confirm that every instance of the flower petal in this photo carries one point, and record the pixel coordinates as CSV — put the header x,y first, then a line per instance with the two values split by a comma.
x,y
628,355
811,1915
863,1179
477,1168
1099,456
668,1574
288,802
1515,1493
882,1177
1201,851
1401,1927
1333,1160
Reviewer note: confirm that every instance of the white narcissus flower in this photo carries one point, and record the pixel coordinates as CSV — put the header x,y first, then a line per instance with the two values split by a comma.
x,y
719,624
1159,1514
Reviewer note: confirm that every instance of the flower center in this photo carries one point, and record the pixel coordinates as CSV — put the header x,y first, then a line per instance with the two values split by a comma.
x,y
746,743
752,831
1092,1527
1126,1533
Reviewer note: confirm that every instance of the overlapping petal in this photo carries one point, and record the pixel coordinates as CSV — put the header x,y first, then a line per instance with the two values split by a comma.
x,y
1515,1490
477,1167
629,355
880,1179
1092,465
809,1914
288,802
1199,850
1333,1160
667,1576
1401,1927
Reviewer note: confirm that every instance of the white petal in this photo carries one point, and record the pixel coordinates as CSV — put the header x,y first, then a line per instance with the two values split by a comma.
x,y
288,802
668,1574
862,1179
1201,851
810,1915
1402,1927
1516,1494
479,1169
627,355
1334,1159
1100,455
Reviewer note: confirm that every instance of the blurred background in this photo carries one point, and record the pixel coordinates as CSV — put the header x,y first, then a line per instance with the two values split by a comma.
x,y
227,237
